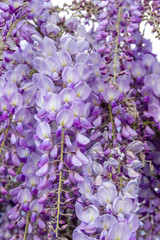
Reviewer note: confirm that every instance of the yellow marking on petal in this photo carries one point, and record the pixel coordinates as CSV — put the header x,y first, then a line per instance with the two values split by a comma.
x,y
138,74
91,217
25,200
120,210
62,123
32,183
67,99
97,74
105,226
88,190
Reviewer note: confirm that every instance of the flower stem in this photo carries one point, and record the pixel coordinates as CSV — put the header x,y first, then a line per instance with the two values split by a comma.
x,y
26,228
111,119
120,178
11,29
60,185
6,134
116,45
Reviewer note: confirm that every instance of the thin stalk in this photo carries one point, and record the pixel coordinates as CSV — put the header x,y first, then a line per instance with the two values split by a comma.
x,y
120,178
111,119
26,228
6,134
60,185
11,29
116,46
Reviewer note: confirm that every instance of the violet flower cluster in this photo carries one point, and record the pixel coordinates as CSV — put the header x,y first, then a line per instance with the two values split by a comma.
x,y
79,122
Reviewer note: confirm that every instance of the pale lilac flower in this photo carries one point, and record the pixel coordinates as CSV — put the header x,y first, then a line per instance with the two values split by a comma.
x,y
65,118
110,94
67,95
43,130
24,196
87,214
52,102
82,90
122,205
106,193
119,231
81,139
70,75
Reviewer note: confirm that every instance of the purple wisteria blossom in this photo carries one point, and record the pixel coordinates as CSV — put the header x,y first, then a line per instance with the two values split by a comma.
x,y
79,121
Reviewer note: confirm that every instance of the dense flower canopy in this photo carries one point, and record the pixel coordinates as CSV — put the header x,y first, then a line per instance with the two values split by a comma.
x,y
79,121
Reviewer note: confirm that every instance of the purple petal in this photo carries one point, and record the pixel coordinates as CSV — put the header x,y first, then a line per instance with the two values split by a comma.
x,y
77,108
132,173
24,196
76,162
43,184
4,6
16,99
23,115
135,147
82,90
64,57
46,144
54,151
138,70
133,223
65,118
131,132
44,158
53,65
106,193
67,95
22,222
81,157
43,130
43,170
40,223
42,199
68,141
48,47
122,205
85,123
78,178
81,139
40,64
70,75
87,214
110,94
119,231
44,83
52,102
31,180
106,221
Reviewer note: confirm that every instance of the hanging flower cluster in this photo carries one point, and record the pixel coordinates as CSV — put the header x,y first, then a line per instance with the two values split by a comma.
x,y
79,122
